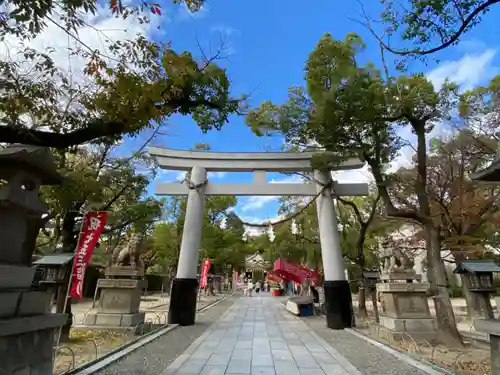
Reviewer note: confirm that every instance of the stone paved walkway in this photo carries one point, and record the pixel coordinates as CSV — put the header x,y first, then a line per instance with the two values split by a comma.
x,y
257,336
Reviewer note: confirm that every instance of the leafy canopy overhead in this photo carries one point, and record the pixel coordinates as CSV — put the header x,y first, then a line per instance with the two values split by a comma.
x,y
31,17
135,85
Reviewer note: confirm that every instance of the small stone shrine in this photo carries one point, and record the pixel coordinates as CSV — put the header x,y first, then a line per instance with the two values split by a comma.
x,y
121,290
478,276
27,328
404,298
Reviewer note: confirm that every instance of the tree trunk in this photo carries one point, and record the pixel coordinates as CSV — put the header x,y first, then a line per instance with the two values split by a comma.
x,y
362,313
473,303
447,328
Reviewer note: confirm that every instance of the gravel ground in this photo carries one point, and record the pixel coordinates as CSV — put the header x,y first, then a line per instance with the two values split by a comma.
x,y
154,357
367,358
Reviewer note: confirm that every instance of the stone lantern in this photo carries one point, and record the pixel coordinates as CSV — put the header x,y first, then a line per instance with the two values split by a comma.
x,y
479,279
26,326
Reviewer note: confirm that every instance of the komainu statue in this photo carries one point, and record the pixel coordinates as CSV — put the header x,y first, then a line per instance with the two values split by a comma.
x,y
129,254
395,260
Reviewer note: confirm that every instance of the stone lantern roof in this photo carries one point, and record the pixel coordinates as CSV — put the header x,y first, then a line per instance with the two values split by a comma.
x,y
32,159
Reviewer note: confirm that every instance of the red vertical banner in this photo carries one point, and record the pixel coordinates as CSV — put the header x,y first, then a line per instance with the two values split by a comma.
x,y
204,273
92,226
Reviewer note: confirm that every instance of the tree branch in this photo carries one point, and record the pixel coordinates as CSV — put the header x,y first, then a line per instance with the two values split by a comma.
x,y
467,22
94,130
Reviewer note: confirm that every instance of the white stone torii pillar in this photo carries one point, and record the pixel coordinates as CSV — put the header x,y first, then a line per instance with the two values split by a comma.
x,y
338,300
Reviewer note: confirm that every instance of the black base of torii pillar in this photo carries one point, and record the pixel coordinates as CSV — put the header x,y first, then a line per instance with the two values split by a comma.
x,y
183,298
338,304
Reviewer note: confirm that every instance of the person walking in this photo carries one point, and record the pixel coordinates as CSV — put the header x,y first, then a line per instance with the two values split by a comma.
x,y
257,287
249,288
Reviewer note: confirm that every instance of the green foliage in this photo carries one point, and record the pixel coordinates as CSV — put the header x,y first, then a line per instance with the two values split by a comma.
x,y
31,17
136,85
96,180
222,238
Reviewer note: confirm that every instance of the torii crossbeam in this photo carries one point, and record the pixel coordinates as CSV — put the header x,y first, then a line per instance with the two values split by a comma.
x,y
259,164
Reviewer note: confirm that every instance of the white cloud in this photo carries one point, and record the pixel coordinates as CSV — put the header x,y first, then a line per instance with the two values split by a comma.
x,y
473,69
257,202
211,175
468,72
99,30
362,175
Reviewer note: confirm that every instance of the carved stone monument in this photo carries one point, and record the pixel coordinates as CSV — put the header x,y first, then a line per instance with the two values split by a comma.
x,y
404,297
27,328
121,290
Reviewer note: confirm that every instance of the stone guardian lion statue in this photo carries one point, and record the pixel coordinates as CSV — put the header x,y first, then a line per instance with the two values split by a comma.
x,y
129,254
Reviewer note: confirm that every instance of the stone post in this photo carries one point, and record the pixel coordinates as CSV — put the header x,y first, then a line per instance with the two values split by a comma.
x,y
27,327
185,285
338,299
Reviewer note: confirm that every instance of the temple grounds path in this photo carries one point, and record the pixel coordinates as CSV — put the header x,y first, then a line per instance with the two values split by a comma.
x,y
257,336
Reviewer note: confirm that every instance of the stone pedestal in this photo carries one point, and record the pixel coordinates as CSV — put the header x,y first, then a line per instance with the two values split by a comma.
x,y
405,308
119,301
27,328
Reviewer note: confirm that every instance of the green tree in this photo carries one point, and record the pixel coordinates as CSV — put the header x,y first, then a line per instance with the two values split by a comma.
x,y
351,110
136,85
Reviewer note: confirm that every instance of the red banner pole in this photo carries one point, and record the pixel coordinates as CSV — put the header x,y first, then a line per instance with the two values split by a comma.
x,y
102,215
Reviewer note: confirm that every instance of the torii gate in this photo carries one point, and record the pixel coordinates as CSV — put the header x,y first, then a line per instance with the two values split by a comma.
x,y
338,300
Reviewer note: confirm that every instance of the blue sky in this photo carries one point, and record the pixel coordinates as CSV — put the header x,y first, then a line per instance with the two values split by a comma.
x,y
268,43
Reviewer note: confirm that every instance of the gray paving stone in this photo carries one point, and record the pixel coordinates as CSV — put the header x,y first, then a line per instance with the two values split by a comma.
x,y
192,366
239,366
202,354
282,356
333,369
243,345
217,359
213,370
311,371
263,349
305,360
242,354
286,368
259,370
278,345
262,360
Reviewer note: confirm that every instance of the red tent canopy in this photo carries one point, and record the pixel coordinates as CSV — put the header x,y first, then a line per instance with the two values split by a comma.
x,y
309,273
273,276
290,271
287,271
